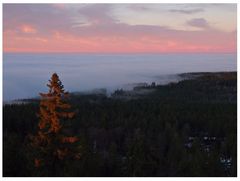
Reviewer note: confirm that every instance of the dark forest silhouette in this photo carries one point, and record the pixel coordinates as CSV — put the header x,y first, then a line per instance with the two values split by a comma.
x,y
187,128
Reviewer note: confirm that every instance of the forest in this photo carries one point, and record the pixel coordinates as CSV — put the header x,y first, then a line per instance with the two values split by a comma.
x,y
182,129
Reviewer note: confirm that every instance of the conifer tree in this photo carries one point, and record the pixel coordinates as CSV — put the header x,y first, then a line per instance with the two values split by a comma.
x,y
52,144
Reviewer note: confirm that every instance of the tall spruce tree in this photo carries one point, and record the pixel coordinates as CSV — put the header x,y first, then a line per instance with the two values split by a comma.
x,y
52,144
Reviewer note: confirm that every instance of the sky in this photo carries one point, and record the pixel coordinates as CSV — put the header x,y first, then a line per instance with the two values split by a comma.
x,y
120,28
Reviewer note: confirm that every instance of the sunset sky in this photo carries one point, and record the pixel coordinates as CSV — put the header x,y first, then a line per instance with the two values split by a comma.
x,y
120,28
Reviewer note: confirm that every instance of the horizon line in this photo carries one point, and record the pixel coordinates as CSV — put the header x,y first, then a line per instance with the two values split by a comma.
x,y
227,52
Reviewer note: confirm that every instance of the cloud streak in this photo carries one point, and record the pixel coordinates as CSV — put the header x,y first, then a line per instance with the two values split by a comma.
x,y
187,11
198,22
97,14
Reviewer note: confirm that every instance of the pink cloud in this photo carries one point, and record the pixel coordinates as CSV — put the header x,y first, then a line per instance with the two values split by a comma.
x,y
60,6
28,29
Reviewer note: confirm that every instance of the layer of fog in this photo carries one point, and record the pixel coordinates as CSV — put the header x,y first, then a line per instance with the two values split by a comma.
x,y
25,75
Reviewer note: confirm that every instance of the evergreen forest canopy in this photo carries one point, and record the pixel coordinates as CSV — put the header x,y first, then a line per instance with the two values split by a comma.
x,y
187,128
